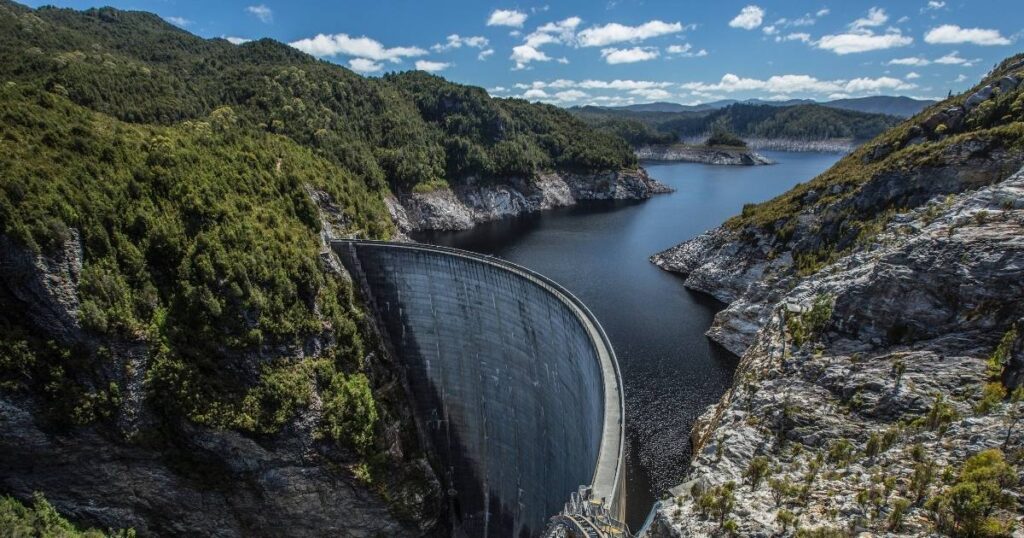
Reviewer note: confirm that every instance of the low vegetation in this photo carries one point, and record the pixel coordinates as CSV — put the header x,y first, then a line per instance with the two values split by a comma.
x,y
42,519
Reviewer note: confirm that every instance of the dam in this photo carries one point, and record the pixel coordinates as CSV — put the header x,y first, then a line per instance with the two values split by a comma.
x,y
514,384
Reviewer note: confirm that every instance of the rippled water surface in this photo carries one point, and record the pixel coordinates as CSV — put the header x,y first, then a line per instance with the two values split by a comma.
x,y
599,251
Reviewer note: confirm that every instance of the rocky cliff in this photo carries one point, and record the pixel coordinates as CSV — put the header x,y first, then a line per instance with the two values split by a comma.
x,y
877,311
465,206
135,465
702,154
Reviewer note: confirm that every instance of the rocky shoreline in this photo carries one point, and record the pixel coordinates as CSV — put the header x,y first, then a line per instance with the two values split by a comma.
x,y
727,156
463,207
836,418
880,348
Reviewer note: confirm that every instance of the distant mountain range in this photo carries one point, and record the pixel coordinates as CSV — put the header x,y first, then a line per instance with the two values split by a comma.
x,y
879,104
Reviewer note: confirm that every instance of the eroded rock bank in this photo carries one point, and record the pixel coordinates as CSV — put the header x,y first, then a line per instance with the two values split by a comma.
x,y
868,385
463,207
727,156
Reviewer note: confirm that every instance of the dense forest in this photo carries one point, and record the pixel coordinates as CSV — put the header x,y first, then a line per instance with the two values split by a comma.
x,y
797,122
183,170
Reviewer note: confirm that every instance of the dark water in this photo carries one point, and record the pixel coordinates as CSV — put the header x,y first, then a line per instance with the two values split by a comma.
x,y
599,251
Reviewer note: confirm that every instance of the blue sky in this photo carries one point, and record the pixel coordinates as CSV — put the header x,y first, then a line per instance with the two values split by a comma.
x,y
628,51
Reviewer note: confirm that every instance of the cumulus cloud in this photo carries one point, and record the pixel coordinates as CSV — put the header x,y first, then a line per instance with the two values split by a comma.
x,y
934,4
628,56
863,42
685,50
608,34
430,67
618,84
364,65
788,84
876,17
562,32
535,94
952,34
261,12
912,75
236,40
178,21
455,41
862,38
655,94
749,18
506,17
360,47
522,55
912,60
484,54
571,95
954,58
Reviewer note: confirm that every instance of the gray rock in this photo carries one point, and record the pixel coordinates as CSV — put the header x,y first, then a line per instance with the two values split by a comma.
x,y
702,154
978,97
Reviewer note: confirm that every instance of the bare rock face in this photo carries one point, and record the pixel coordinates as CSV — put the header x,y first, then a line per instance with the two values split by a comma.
x,y
835,414
169,477
47,282
463,207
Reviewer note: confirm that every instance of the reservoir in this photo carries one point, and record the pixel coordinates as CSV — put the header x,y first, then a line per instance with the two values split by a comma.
x,y
599,251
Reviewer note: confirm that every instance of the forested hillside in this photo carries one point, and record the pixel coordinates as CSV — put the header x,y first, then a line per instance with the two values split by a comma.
x,y
165,283
797,122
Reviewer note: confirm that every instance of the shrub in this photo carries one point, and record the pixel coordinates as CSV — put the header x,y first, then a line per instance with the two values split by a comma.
x,y
721,137
43,520
350,412
806,326
899,510
968,507
756,471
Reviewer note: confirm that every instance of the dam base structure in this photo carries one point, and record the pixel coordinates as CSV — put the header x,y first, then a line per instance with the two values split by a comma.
x,y
514,385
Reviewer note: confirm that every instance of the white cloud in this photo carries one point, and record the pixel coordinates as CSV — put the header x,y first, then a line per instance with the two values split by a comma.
x,y
571,95
876,85
789,84
749,18
535,94
628,56
484,54
430,67
506,17
522,55
178,21
954,58
933,5
236,40
822,12
652,94
770,30
497,89
563,31
262,12
685,50
951,33
912,76
360,47
912,60
960,78
796,36
599,36
622,84
876,17
363,65
455,41
862,41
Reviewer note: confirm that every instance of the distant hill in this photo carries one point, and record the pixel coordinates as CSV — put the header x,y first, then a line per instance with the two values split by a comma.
x,y
901,106
798,121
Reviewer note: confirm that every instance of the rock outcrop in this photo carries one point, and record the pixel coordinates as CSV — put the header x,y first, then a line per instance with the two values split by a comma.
x,y
702,154
462,207
146,468
858,370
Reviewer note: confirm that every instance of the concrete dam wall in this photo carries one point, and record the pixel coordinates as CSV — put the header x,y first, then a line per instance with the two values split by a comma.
x,y
514,384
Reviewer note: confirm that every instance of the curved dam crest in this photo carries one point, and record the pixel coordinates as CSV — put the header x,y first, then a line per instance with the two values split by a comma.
x,y
515,386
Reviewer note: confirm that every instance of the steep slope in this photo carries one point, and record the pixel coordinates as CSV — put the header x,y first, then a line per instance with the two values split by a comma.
x,y
878,312
180,352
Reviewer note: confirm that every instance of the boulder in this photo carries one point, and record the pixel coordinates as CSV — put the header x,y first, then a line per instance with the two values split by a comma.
x,y
978,97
